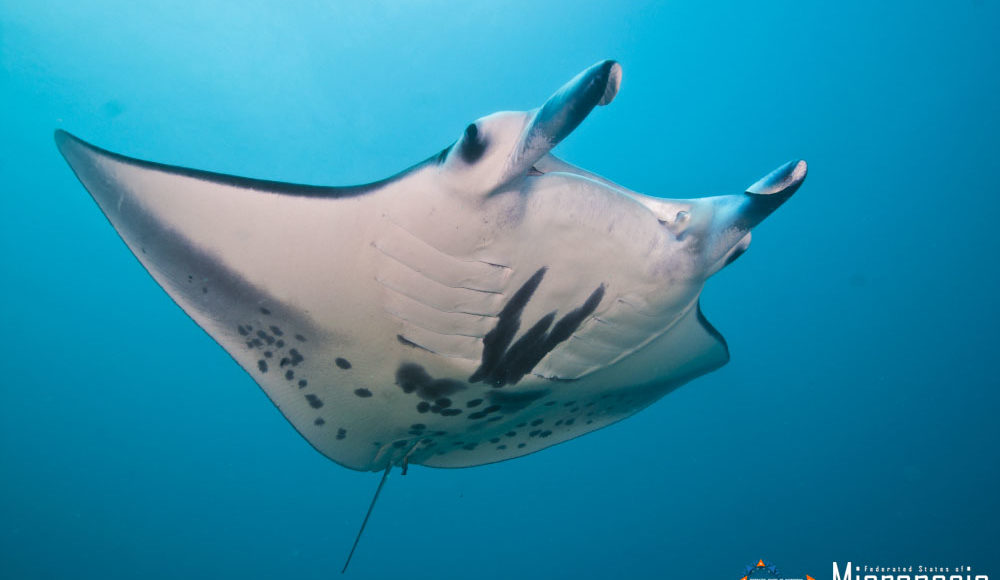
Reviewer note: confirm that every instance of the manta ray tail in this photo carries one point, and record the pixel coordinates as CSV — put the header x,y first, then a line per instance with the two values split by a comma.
x,y
385,476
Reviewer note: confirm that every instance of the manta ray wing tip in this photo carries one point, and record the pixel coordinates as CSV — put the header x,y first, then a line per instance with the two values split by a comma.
x,y
66,142
62,137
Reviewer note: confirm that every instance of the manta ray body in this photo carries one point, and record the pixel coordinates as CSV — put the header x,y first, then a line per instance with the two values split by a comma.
x,y
487,303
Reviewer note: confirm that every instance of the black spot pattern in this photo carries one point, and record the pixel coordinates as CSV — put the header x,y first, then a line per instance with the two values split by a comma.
x,y
343,363
319,422
341,433
508,323
438,396
258,339
515,401
561,426
504,363
412,378
485,412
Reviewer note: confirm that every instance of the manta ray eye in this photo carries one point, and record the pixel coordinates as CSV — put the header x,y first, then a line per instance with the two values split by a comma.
x,y
473,144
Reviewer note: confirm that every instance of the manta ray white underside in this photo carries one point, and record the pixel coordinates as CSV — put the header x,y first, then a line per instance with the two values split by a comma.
x,y
487,303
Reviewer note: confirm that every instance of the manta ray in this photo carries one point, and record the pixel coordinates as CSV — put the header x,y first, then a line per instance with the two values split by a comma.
x,y
482,305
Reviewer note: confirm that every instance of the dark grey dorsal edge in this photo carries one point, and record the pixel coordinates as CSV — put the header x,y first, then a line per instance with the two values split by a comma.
x,y
261,185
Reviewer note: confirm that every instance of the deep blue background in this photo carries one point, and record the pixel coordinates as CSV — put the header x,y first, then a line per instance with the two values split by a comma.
x,y
858,418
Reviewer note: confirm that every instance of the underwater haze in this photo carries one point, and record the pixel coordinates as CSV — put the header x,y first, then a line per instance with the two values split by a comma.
x,y
856,421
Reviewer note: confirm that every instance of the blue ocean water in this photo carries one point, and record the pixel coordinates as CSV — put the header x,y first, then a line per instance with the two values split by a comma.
x,y
857,419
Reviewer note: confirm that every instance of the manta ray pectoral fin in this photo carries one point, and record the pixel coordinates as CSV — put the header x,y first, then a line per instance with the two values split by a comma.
x,y
260,265
689,348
